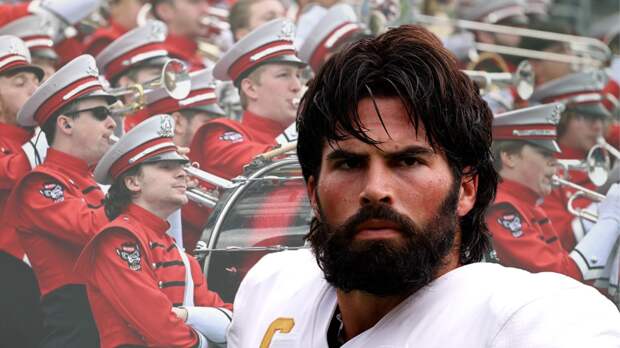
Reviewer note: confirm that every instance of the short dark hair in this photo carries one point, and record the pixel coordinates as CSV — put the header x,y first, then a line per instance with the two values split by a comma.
x,y
119,196
410,63
49,128
507,146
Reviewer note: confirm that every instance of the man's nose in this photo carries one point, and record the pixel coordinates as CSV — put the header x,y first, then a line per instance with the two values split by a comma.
x,y
378,185
110,123
296,84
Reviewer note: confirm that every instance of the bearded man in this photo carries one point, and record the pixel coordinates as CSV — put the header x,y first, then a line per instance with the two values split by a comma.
x,y
394,144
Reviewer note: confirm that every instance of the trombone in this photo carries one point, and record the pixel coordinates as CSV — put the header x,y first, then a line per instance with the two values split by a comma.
x,y
522,79
174,79
589,52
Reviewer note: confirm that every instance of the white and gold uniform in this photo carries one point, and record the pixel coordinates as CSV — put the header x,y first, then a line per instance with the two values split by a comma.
x,y
284,301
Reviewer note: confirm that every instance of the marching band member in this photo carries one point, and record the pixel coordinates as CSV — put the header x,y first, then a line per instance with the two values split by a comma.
x,y
57,208
184,21
399,188
190,113
580,127
136,57
337,27
21,323
265,67
523,235
140,292
37,32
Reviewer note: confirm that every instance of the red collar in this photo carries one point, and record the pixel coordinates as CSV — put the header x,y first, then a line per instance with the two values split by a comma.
x,y
66,162
15,134
524,193
270,128
148,219
570,153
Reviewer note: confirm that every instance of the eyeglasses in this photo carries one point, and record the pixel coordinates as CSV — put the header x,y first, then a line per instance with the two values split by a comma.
x,y
100,113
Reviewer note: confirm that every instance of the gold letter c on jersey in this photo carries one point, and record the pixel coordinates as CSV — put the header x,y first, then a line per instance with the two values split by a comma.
x,y
284,325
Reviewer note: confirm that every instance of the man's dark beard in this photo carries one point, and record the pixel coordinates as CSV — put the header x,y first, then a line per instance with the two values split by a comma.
x,y
385,267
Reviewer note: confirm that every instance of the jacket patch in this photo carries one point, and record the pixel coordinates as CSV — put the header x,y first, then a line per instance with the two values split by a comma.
x,y
53,191
512,222
130,253
232,137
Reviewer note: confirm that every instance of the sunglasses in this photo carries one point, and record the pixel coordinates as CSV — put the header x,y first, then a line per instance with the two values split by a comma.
x,y
101,113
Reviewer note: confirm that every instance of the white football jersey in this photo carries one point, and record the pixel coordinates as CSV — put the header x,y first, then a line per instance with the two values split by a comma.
x,y
284,301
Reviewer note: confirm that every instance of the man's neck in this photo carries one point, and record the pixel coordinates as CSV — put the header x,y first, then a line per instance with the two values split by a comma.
x,y
156,209
360,310
70,149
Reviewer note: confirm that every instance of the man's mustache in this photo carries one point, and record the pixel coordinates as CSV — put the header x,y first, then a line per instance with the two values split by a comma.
x,y
378,211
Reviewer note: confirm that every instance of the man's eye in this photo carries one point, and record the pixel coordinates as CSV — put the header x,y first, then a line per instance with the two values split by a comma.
x,y
351,163
407,161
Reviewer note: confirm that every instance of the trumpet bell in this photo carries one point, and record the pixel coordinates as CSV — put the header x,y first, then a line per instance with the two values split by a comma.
x,y
175,79
524,80
598,163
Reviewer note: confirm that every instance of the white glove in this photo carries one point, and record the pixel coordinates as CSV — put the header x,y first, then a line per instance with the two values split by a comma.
x,y
609,209
36,148
212,322
289,135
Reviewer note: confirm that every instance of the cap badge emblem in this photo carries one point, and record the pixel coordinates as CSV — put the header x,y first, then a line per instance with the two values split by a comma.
x,y
92,71
166,128
554,116
158,32
287,31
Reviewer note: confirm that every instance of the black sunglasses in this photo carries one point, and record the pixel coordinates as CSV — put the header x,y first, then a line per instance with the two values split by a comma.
x,y
101,113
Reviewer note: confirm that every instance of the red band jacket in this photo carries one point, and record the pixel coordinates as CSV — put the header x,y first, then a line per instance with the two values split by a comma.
x,y
56,209
522,234
134,276
13,165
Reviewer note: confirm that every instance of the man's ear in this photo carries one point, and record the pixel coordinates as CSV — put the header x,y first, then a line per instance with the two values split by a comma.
x,y
311,187
180,123
249,89
133,184
64,125
467,194
508,159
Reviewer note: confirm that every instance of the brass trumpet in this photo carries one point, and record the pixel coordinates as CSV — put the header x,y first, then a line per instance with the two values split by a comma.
x,y
174,78
597,164
522,79
581,192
